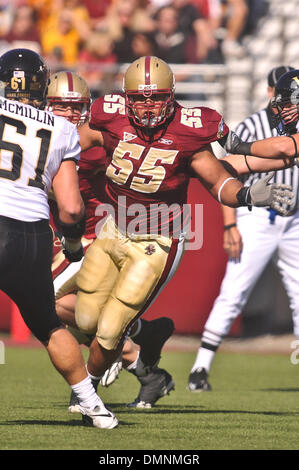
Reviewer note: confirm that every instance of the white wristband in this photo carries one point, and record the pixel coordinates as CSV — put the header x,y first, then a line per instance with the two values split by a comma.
x,y
221,187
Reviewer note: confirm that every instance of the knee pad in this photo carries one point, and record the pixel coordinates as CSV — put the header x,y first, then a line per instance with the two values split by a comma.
x,y
136,282
88,277
113,323
108,341
86,313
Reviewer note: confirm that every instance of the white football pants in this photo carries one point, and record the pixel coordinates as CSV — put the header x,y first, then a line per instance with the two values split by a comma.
x,y
261,241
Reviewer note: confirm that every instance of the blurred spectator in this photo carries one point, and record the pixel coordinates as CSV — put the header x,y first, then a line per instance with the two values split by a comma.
x,y
200,31
171,41
6,16
97,11
44,10
124,18
203,7
143,44
95,58
64,36
234,17
23,32
154,5
257,9
79,12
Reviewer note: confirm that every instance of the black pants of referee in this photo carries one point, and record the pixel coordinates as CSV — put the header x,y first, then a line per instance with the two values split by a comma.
x,y
25,273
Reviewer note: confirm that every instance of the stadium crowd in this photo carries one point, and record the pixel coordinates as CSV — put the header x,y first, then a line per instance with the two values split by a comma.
x,y
93,36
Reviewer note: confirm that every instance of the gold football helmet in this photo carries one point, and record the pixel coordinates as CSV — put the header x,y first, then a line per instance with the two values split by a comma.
x,y
149,86
68,88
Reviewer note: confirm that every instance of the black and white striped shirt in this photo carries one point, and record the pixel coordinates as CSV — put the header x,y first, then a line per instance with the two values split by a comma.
x,y
260,126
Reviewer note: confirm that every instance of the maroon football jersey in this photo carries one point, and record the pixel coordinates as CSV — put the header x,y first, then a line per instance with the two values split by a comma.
x,y
91,174
151,173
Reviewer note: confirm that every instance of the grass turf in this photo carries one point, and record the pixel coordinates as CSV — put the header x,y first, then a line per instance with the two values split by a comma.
x,y
253,405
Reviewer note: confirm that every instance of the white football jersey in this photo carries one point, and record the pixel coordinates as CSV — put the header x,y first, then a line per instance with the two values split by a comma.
x,y
33,143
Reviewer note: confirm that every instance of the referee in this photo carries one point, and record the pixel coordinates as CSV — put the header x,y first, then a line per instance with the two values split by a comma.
x,y
250,240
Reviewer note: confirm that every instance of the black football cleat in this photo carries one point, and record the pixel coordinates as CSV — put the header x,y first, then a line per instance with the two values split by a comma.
x,y
154,386
152,338
198,381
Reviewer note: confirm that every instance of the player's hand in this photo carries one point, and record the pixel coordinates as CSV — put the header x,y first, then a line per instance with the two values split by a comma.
x,y
275,195
232,243
72,249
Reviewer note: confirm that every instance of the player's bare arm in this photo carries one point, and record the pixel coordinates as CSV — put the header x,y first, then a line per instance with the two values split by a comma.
x,y
229,191
276,147
273,147
212,175
66,189
71,209
244,164
90,137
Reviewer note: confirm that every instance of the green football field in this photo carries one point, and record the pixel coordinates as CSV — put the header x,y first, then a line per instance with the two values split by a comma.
x,y
254,405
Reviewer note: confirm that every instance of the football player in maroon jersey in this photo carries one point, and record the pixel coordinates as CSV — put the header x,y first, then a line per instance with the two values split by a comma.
x,y
153,146
69,96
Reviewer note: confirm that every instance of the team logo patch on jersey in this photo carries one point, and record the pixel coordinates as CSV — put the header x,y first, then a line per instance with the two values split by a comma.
x,y
150,249
165,141
220,132
128,136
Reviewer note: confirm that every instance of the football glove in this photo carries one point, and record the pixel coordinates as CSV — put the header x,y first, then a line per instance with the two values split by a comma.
x,y
262,194
73,251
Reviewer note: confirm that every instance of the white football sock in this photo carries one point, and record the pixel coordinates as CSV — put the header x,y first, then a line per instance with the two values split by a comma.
x,y
204,358
86,394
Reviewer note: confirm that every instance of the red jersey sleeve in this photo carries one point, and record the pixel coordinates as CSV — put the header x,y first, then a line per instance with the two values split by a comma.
x,y
92,159
214,125
104,110
193,128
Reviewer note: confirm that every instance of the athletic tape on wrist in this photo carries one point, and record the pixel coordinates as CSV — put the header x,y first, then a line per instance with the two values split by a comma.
x,y
75,230
244,196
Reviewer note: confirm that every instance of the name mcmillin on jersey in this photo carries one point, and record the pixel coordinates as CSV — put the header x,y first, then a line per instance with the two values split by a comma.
x,y
27,111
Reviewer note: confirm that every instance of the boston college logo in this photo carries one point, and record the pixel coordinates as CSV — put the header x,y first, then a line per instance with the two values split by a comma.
x,y
150,249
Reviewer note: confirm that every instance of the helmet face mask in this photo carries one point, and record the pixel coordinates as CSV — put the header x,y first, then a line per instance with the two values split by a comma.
x,y
149,90
23,77
69,96
149,111
286,102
